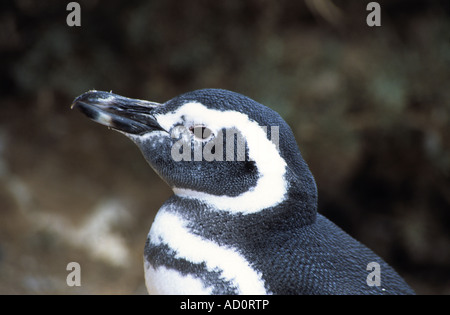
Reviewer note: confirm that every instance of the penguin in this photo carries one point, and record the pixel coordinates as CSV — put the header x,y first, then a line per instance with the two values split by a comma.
x,y
243,218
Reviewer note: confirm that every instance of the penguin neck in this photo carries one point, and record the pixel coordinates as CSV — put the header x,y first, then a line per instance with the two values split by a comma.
x,y
301,201
298,209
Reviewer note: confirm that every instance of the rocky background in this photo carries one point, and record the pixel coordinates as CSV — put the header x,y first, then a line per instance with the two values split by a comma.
x,y
370,107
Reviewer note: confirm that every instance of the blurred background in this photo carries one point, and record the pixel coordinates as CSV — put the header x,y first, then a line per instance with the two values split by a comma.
x,y
370,107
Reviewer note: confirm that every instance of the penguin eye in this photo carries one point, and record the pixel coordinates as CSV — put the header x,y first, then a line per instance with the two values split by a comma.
x,y
201,132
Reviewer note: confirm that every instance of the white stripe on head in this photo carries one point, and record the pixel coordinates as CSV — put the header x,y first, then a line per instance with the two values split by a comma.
x,y
271,187
173,231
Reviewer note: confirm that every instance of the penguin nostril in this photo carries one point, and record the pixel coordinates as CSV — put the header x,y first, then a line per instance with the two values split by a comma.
x,y
201,132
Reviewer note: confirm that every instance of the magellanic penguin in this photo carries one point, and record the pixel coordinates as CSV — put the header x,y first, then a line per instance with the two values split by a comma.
x,y
243,218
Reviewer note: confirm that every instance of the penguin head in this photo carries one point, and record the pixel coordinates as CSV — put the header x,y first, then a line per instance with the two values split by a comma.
x,y
213,145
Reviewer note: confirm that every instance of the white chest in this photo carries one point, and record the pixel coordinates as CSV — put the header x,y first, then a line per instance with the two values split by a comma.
x,y
170,230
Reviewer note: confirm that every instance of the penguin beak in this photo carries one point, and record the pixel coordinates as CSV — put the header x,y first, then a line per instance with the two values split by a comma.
x,y
131,116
